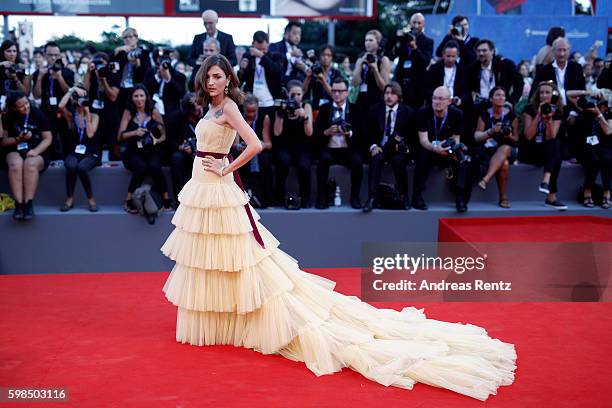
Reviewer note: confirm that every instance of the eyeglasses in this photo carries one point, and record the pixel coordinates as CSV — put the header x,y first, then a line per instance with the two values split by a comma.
x,y
129,36
339,90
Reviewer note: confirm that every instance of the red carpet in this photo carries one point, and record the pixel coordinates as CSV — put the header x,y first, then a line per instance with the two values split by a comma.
x,y
109,338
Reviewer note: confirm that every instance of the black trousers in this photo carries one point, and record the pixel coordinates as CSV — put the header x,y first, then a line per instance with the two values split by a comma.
x,y
181,166
141,163
597,159
300,158
547,154
398,163
346,157
79,166
260,181
462,180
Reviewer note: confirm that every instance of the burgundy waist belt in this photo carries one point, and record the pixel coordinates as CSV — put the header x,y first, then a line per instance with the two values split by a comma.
x,y
239,183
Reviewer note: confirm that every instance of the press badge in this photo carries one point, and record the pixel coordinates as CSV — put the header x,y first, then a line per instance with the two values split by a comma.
x,y
98,104
80,149
539,138
53,101
592,140
363,88
491,143
2,102
139,144
407,64
22,146
435,143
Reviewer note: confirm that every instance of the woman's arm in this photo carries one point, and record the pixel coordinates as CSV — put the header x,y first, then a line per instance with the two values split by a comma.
x,y
514,136
481,134
530,125
266,133
47,138
278,124
308,122
122,134
91,120
160,125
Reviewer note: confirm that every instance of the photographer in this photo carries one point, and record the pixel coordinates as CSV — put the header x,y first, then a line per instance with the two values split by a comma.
x,y
26,140
440,127
50,85
339,140
497,128
82,145
261,72
102,83
133,62
414,58
540,145
257,173
319,78
453,76
372,72
293,129
210,46
459,32
596,139
294,66
166,85
390,132
182,141
12,72
142,128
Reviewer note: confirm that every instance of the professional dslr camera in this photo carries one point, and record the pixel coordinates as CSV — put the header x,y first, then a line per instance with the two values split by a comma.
x,y
57,66
400,145
15,69
458,30
551,107
317,68
371,58
589,102
103,69
80,101
405,36
147,138
135,53
287,106
457,150
341,123
165,63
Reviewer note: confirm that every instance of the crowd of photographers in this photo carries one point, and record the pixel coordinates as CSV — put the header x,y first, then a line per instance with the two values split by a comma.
x,y
462,107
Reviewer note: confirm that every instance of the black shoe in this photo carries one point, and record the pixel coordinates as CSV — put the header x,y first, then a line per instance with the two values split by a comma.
x,y
460,204
321,204
130,207
28,212
93,207
418,203
544,188
66,207
406,204
556,204
18,213
368,206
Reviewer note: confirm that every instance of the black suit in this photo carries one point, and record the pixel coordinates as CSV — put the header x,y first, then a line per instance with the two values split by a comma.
x,y
404,128
505,74
281,48
172,92
273,66
467,51
411,71
351,157
226,41
574,77
460,85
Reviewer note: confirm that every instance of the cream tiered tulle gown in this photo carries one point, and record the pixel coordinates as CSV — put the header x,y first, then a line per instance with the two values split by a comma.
x,y
230,290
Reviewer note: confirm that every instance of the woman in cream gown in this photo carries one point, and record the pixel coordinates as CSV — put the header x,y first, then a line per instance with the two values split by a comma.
x,y
232,285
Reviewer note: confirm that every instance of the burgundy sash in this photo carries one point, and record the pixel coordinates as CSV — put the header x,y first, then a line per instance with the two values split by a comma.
x,y
239,183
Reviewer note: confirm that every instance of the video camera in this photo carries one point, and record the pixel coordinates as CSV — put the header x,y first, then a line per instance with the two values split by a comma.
x,y
456,150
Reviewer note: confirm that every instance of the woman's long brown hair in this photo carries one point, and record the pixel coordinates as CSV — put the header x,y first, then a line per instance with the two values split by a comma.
x,y
202,97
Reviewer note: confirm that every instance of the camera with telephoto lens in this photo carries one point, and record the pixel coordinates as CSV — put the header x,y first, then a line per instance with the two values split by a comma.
x,y
342,124
102,68
458,31
15,69
548,108
317,69
57,66
506,129
405,35
165,63
587,102
456,150
371,58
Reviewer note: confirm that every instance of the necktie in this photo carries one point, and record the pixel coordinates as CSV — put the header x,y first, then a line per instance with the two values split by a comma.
x,y
387,128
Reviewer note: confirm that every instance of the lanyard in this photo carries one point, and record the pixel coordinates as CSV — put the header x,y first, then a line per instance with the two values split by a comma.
x,y
142,124
50,86
448,84
7,85
25,121
258,70
192,128
436,129
81,130
501,119
161,88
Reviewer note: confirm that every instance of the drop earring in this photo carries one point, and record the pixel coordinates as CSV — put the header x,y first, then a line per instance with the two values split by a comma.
x,y
226,89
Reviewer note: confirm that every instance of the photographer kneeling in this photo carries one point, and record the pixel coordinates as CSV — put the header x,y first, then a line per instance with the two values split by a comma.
x,y
439,128
27,141
81,144
498,128
292,133
142,127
